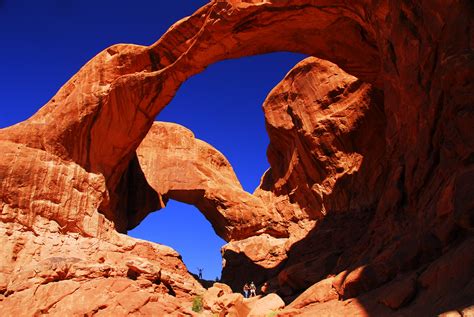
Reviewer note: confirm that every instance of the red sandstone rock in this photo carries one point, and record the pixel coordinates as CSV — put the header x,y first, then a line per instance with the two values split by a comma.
x,y
383,181
399,292
328,119
452,313
180,167
321,292
325,128
468,311
212,298
68,274
256,258
271,303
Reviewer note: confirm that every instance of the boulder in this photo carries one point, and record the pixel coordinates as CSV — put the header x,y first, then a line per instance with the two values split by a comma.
x,y
266,305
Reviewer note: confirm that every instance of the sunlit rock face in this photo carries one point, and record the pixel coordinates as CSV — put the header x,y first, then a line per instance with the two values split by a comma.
x,y
178,166
370,191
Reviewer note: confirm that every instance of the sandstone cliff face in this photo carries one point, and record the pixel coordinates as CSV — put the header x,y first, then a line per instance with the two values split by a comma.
x,y
371,176
326,133
326,151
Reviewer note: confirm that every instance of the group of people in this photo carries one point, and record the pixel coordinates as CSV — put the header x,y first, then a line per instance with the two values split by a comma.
x,y
250,290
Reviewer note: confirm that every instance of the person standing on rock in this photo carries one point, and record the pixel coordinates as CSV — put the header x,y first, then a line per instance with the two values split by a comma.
x,y
264,288
253,290
200,273
246,290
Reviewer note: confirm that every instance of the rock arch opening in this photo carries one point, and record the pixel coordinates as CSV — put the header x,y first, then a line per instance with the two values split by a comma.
x,y
316,106
223,107
185,229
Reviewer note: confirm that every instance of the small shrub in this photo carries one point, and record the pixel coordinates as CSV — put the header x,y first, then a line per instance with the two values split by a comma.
x,y
197,304
272,314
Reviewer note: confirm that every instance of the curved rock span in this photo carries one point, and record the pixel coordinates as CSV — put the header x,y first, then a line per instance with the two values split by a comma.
x,y
367,209
178,166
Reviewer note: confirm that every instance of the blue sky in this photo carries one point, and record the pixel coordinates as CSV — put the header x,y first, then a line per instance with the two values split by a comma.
x,y
45,42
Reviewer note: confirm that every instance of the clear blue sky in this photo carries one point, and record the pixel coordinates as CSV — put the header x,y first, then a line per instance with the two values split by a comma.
x,y
43,43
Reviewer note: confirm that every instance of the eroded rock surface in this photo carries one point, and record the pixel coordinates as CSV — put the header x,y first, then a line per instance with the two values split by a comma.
x,y
69,274
178,166
371,173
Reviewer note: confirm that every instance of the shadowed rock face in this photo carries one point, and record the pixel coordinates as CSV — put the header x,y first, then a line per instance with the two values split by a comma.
x,y
326,154
371,178
326,133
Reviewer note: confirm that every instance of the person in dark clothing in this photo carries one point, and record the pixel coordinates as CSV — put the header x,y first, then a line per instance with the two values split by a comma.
x,y
246,290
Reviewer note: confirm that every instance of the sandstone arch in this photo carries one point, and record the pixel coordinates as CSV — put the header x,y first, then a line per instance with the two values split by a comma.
x,y
178,166
420,54
100,131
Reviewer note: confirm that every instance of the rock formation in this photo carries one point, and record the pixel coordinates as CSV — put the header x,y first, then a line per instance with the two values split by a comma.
x,y
178,166
326,133
66,274
368,207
